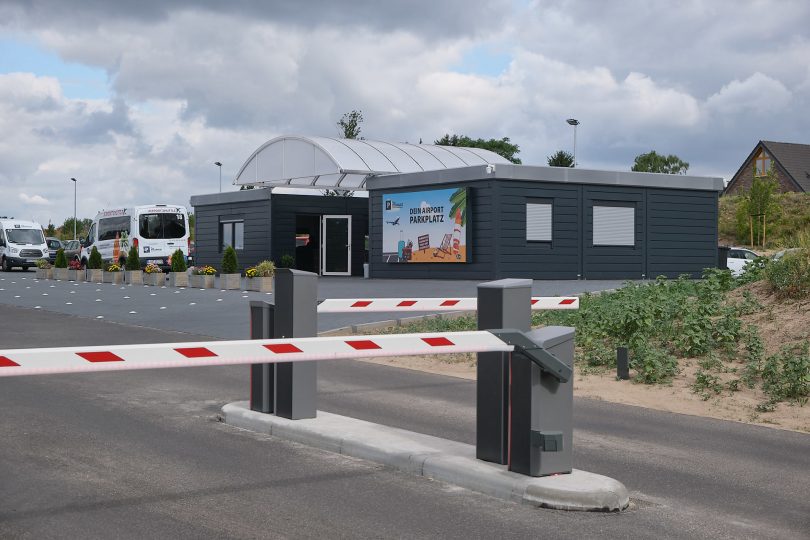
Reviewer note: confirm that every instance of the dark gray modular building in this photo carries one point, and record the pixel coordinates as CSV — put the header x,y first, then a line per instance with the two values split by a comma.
x,y
457,213
548,223
264,225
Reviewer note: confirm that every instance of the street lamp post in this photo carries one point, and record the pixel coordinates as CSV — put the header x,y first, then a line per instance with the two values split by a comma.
x,y
574,122
74,207
218,164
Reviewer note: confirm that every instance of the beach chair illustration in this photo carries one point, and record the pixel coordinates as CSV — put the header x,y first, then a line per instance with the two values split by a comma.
x,y
444,248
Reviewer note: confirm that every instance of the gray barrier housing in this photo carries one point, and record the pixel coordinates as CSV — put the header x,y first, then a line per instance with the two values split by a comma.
x,y
524,400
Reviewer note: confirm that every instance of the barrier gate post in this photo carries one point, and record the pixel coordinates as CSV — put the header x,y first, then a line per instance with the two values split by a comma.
x,y
296,315
505,303
262,376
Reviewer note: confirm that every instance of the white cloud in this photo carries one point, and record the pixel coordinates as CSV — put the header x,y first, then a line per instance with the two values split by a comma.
x,y
757,94
36,200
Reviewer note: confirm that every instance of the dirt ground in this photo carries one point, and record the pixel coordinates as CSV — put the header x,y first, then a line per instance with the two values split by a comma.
x,y
780,323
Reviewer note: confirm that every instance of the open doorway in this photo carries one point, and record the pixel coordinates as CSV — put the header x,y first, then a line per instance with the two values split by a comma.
x,y
307,242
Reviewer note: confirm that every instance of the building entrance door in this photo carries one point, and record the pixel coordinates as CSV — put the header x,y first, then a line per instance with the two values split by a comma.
x,y
336,245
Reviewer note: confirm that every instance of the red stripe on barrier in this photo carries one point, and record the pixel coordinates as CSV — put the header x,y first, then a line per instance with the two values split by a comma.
x,y
406,303
362,303
363,345
282,348
437,341
196,352
534,301
567,301
449,303
101,356
7,362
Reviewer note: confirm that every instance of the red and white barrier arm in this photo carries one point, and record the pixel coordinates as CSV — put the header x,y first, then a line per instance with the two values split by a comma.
x,y
254,351
376,305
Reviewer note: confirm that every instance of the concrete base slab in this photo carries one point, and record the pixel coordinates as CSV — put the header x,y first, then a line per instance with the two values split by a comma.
x,y
436,458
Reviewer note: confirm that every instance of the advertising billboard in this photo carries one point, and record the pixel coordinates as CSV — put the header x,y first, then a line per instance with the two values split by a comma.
x,y
426,226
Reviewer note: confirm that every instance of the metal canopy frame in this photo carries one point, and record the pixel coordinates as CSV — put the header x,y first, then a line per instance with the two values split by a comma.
x,y
325,162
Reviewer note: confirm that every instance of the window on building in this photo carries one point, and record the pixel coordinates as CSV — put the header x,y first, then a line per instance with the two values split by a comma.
x,y
614,226
762,163
538,222
232,233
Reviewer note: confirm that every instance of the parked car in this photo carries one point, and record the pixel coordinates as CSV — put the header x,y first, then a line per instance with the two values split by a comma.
x,y
54,245
72,249
784,252
737,259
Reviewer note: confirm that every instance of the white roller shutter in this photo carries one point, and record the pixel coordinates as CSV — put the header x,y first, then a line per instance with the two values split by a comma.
x,y
538,222
614,226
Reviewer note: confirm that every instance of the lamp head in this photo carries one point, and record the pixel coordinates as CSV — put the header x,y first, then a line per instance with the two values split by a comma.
x,y
218,164
573,122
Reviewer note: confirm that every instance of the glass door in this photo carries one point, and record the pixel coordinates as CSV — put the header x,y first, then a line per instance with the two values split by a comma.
x,y
336,246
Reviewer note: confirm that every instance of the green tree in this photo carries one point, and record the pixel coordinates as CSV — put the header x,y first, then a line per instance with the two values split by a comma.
x,y
82,228
757,202
659,163
502,147
51,230
561,158
178,261
230,264
133,261
349,125
94,262
61,260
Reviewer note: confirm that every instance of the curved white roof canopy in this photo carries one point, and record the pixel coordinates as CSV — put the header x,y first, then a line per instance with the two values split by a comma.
x,y
325,162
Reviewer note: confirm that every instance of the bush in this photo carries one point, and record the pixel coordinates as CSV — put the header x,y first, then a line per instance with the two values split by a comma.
x,y
152,268
94,262
133,261
204,271
113,267
789,277
287,261
263,269
786,375
61,260
43,264
179,261
230,265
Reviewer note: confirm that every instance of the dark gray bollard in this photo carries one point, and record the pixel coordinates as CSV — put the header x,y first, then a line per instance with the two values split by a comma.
x,y
296,315
622,364
287,389
506,303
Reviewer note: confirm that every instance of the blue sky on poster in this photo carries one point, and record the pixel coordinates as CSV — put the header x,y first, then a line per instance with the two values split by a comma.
x,y
137,100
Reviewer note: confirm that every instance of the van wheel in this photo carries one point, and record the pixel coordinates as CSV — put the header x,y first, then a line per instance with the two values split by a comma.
x,y
6,265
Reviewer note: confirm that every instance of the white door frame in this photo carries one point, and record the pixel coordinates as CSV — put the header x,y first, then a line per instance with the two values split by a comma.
x,y
348,245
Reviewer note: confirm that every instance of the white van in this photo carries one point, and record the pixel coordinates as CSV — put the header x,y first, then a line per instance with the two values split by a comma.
x,y
157,230
21,244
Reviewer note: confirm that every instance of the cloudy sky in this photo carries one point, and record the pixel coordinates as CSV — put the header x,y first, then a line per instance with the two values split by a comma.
x,y
138,99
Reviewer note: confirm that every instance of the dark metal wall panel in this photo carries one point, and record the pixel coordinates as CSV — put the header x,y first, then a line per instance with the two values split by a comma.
x,y
681,232
255,214
286,207
482,232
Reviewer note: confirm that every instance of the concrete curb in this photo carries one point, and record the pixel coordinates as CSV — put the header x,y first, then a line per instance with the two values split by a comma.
x,y
439,459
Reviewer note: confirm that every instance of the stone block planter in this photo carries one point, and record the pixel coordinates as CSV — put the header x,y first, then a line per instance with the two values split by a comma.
x,y
229,282
260,284
116,278
158,279
76,275
202,282
134,277
44,273
95,275
178,279
60,274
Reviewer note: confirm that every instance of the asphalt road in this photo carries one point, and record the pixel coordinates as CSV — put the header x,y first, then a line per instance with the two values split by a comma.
x,y
140,454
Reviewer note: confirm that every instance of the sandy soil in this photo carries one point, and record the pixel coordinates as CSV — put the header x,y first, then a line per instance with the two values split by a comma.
x,y
779,323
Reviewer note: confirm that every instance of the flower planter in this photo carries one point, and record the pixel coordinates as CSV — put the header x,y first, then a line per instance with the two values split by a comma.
x,y
116,278
202,281
95,275
178,279
76,275
60,273
134,277
260,284
44,273
229,282
155,279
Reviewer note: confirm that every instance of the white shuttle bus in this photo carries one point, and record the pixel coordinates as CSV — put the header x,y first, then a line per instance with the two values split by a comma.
x,y
157,230
21,244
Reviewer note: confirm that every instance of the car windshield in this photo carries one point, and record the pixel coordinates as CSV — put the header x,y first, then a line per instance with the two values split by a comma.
x,y
25,236
72,244
54,244
161,226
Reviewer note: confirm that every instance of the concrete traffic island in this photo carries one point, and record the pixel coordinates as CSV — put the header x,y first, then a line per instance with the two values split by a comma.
x,y
435,458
